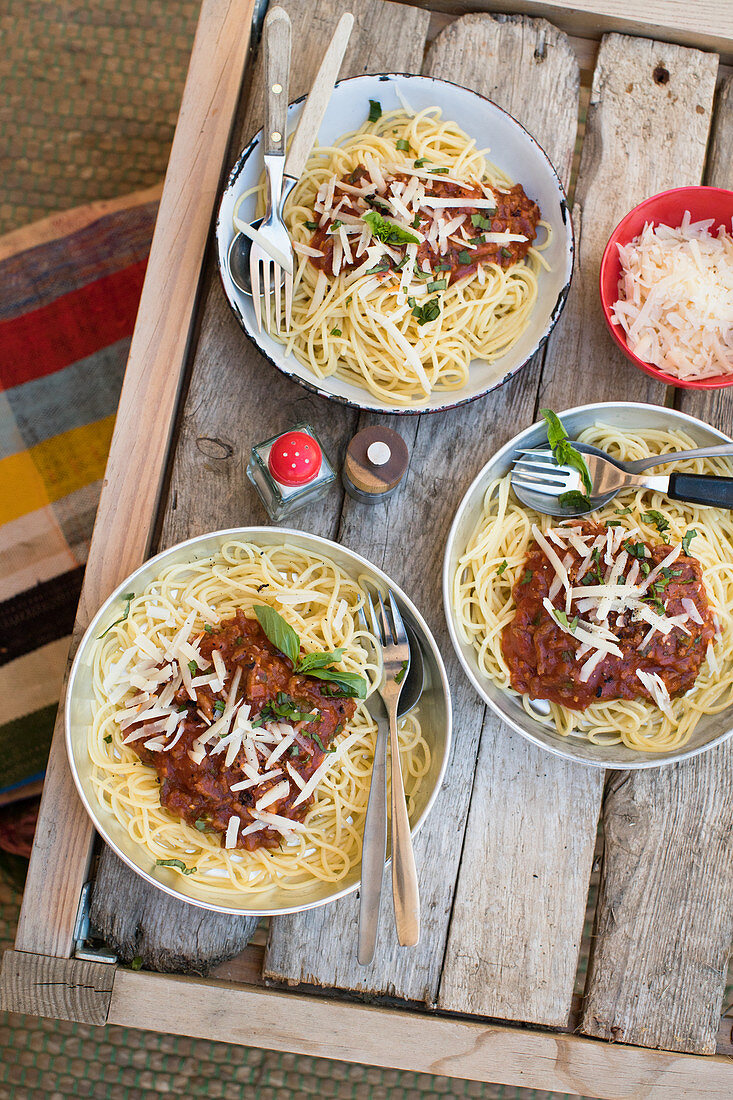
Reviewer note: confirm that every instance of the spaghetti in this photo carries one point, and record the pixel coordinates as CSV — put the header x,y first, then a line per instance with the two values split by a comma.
x,y
172,632
415,257
639,551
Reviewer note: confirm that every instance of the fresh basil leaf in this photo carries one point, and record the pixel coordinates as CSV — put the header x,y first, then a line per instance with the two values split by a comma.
x,y
321,746
563,620
129,597
689,536
429,312
320,660
280,633
574,499
350,683
388,232
562,449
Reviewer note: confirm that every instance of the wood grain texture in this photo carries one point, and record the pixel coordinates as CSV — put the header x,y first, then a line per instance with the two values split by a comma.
x,y
418,1041
706,24
630,111
236,398
484,54
63,989
664,920
167,934
128,505
521,963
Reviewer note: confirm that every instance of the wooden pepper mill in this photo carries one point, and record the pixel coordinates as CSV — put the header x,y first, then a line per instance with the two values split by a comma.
x,y
376,461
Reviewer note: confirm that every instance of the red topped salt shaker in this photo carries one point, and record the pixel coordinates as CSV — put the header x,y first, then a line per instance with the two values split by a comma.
x,y
290,470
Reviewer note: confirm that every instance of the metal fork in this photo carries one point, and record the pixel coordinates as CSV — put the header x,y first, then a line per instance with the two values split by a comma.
x,y
389,630
265,272
538,471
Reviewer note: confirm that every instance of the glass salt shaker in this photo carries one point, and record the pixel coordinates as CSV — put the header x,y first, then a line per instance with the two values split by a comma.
x,y
290,470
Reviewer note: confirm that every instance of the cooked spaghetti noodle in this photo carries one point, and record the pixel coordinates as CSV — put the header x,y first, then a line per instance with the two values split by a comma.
x,y
495,561
402,313
321,602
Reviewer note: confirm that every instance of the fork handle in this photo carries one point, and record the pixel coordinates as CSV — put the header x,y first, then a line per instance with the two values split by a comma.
x,y
702,489
277,33
641,464
405,890
374,848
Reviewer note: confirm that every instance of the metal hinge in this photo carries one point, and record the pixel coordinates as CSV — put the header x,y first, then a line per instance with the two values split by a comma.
x,y
82,949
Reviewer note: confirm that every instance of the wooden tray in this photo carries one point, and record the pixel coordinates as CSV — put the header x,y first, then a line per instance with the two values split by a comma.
x,y
506,858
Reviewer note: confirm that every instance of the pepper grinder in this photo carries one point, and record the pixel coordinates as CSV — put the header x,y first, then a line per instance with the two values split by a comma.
x,y
376,461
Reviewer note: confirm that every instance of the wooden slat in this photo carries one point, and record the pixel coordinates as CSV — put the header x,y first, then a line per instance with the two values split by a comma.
x,y
236,398
665,920
417,1041
628,109
65,989
533,880
484,54
707,24
163,932
129,501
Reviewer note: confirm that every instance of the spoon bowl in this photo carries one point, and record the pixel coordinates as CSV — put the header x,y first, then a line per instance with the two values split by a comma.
x,y
551,506
415,680
238,260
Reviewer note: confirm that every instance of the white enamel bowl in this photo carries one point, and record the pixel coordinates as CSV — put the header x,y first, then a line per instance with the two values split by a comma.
x,y
711,730
434,710
512,149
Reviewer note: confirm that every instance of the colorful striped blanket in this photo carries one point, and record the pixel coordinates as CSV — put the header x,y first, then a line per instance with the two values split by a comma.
x,y
71,286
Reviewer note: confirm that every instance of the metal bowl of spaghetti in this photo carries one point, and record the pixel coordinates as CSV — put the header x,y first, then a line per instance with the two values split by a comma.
x,y
433,247
666,694
216,726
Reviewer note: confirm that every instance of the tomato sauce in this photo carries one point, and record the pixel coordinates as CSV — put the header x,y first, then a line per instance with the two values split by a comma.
x,y
200,793
514,213
542,658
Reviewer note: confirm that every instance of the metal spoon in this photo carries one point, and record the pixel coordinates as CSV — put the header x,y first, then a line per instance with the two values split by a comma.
x,y
415,681
238,260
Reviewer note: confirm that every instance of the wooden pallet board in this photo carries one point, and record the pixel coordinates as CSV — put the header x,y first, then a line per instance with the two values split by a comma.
x,y
504,859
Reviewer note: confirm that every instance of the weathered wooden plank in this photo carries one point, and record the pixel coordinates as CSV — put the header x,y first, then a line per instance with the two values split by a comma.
x,y
485,54
236,398
167,934
129,502
521,964
664,921
646,130
64,989
418,1041
707,24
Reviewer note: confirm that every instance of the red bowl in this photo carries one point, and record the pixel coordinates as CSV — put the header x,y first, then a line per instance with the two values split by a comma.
x,y
668,208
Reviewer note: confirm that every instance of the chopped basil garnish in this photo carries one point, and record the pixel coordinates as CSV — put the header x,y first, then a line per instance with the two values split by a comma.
x,y
321,746
403,145
502,567
375,110
563,620
129,597
506,253
660,522
192,667
208,628
401,674
419,163
312,226
429,312
622,511
526,578
175,863
439,284
442,267
387,231
439,171
689,536
219,706
335,332
464,257
562,449
200,824
481,221
108,739
383,265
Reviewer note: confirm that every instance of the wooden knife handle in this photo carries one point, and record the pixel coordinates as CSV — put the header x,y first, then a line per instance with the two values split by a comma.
x,y
277,35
